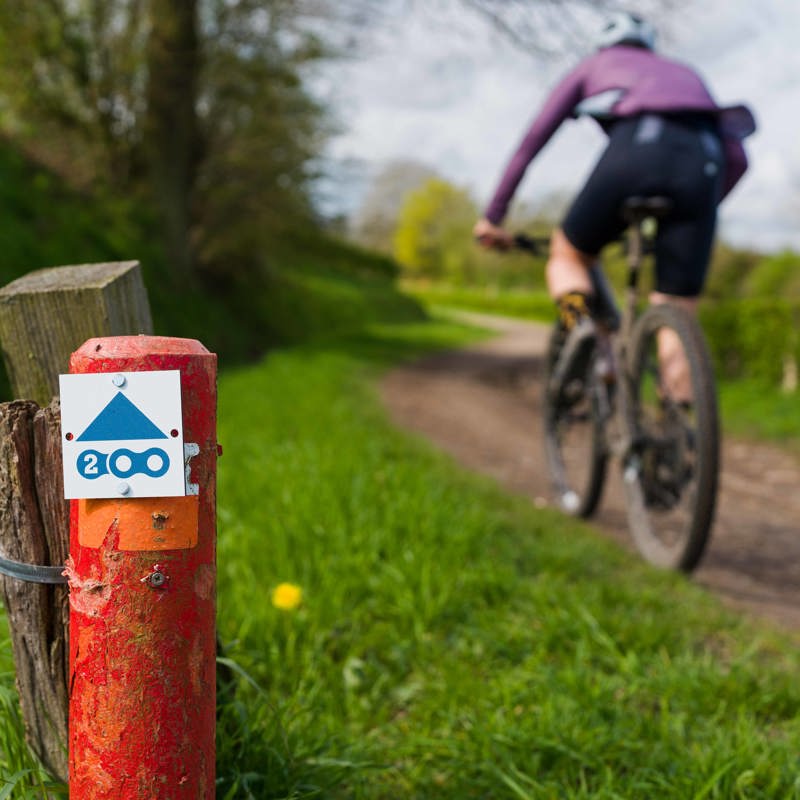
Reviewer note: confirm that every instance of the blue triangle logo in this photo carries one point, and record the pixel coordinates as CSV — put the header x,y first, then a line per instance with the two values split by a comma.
x,y
120,419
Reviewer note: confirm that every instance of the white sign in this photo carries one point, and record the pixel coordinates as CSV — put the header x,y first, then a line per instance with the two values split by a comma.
x,y
122,434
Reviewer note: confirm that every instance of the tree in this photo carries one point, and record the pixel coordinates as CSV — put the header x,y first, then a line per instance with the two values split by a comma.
x,y
71,85
171,130
262,131
433,232
375,221
196,105
551,26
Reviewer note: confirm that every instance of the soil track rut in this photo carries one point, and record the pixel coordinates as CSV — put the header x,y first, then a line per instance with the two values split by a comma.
x,y
482,405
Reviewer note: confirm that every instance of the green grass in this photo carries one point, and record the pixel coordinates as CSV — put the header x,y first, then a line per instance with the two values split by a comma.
x,y
521,303
20,774
453,641
754,410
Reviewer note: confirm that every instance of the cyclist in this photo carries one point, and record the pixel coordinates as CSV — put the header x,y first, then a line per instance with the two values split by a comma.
x,y
666,136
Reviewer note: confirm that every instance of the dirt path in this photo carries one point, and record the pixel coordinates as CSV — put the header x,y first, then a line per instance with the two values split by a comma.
x,y
482,406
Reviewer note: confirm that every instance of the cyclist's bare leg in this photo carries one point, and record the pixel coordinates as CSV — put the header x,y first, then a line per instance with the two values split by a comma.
x,y
567,268
674,366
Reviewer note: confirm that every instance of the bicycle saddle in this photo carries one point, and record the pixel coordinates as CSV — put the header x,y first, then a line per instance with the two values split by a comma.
x,y
635,209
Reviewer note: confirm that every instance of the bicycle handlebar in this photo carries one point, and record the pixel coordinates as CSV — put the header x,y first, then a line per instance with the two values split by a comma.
x,y
536,246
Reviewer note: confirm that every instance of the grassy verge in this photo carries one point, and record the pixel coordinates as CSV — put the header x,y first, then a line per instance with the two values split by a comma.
x,y
753,410
525,304
452,641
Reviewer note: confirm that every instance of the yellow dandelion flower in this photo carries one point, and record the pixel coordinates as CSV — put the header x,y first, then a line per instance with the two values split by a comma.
x,y
287,596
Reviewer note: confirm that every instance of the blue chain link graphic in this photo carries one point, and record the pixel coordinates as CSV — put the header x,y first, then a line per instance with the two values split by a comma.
x,y
93,464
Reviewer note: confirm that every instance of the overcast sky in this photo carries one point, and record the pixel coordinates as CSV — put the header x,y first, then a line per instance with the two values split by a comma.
x,y
459,98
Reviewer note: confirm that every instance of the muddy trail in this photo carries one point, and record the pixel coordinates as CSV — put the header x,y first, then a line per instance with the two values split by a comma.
x,y
482,406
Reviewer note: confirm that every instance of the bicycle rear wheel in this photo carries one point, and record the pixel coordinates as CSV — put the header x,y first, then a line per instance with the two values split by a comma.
x,y
671,473
573,434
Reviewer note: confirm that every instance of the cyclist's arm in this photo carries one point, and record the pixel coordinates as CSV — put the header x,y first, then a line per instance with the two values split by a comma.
x,y
558,107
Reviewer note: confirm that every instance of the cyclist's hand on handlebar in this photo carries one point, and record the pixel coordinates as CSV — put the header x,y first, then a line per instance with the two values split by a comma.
x,y
492,236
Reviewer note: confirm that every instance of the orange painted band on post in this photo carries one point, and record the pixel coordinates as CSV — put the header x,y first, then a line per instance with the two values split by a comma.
x,y
142,523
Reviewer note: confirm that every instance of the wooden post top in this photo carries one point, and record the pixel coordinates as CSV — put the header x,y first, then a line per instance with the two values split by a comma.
x,y
47,314
68,278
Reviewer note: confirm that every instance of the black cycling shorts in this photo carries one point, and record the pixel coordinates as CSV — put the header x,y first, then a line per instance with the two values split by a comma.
x,y
676,157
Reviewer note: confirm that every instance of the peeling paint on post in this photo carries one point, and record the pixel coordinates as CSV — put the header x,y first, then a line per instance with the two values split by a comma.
x,y
142,621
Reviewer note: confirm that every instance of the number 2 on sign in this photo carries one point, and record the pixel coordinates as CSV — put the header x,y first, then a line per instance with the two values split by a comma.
x,y
92,464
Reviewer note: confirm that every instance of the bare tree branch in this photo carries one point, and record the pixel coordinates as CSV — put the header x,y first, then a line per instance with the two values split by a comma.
x,y
544,27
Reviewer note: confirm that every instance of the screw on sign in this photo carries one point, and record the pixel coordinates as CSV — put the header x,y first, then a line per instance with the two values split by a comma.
x,y
142,579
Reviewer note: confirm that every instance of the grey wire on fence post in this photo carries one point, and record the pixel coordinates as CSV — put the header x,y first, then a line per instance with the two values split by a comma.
x,y
31,573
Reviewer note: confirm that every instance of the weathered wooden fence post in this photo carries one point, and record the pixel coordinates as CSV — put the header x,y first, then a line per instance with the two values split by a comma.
x,y
33,524
44,317
142,568
49,313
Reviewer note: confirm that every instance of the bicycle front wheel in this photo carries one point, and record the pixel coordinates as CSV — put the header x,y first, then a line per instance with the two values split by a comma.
x,y
670,474
573,433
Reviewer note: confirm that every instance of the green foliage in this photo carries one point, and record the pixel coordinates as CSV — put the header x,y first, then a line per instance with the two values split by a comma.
x,y
729,271
262,132
200,107
44,223
71,83
374,223
752,338
47,224
431,239
776,276
326,289
310,287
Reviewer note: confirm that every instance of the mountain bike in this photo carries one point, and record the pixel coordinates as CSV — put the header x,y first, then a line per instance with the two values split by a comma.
x,y
611,398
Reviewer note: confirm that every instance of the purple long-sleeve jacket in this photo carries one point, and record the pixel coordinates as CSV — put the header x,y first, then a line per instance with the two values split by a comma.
x,y
634,81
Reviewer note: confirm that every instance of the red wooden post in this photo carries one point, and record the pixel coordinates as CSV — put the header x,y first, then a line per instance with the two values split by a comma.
x,y
142,576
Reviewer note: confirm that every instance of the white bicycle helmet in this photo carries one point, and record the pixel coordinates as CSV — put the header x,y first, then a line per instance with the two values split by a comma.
x,y
624,28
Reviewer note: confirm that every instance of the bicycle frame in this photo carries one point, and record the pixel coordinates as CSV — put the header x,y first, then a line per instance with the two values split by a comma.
x,y
616,343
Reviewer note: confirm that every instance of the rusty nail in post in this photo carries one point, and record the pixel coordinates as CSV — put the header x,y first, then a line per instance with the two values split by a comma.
x,y
159,520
